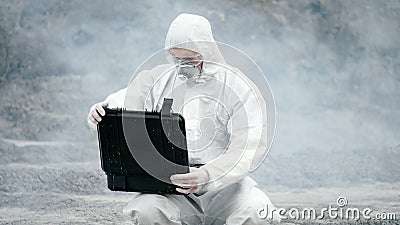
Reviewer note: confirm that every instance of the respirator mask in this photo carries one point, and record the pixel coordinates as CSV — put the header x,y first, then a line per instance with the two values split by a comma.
x,y
189,70
187,66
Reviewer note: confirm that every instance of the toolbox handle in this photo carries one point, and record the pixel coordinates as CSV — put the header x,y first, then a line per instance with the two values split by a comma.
x,y
166,107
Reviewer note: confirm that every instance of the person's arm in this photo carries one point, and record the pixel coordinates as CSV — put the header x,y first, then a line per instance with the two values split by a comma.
x,y
113,100
248,134
133,97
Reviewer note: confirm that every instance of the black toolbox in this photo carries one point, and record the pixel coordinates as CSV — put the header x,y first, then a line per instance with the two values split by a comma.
x,y
139,167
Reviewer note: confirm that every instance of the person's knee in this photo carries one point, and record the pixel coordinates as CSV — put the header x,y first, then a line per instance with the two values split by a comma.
x,y
263,211
254,208
152,209
255,214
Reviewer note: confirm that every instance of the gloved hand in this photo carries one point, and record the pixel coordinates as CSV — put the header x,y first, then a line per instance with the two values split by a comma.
x,y
95,111
191,182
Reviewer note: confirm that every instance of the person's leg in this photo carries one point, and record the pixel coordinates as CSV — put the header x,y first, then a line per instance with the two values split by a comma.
x,y
253,208
150,209
191,211
240,204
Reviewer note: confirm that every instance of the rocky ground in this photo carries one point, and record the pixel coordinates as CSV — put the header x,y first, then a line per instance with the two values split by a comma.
x,y
333,66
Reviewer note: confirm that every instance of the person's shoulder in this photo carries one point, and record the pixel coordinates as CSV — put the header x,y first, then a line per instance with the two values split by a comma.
x,y
154,72
238,80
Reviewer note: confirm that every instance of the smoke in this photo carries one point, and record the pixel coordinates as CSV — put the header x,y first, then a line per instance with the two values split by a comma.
x,y
333,67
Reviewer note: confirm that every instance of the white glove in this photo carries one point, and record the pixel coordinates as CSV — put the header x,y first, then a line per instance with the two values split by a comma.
x,y
96,111
191,182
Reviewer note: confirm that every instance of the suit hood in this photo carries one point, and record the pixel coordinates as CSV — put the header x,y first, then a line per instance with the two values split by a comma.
x,y
193,32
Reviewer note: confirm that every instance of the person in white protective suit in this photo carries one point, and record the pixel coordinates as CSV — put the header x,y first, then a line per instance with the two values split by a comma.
x,y
225,126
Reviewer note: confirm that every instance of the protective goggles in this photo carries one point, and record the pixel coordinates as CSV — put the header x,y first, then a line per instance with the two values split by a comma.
x,y
178,59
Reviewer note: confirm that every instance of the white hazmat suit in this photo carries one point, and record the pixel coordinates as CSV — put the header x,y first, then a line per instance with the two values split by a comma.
x,y
225,126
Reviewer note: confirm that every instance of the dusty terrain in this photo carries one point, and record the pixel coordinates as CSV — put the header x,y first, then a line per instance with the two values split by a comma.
x,y
333,67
